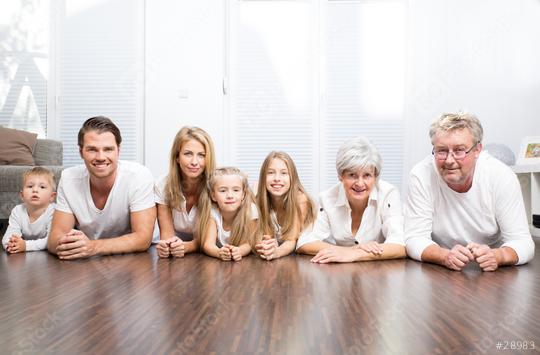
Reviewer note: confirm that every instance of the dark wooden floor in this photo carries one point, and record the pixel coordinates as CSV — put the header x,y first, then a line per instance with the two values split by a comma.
x,y
140,304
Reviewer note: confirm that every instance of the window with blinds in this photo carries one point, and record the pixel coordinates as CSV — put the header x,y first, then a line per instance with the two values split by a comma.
x,y
363,46
100,72
273,79
307,75
24,64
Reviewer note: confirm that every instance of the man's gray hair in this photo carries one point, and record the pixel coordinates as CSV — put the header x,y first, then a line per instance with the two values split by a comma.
x,y
452,121
358,153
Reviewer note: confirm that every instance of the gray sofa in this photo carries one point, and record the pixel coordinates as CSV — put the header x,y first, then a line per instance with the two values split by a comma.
x,y
47,153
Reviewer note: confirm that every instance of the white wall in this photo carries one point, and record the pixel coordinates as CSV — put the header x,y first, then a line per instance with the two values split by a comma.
x,y
183,76
480,55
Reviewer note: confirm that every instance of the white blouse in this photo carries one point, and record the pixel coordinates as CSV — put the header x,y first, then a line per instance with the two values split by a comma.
x,y
382,220
184,222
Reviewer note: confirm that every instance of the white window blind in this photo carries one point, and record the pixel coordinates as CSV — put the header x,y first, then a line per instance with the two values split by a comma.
x,y
100,72
273,79
364,81
24,64
307,75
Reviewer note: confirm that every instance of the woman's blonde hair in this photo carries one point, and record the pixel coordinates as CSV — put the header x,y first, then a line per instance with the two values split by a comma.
x,y
173,185
243,229
293,211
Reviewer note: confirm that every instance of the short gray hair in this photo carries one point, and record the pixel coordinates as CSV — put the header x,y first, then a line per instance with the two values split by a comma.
x,y
452,121
358,153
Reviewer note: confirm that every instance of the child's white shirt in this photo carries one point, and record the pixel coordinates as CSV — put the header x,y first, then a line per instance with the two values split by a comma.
x,y
224,236
36,233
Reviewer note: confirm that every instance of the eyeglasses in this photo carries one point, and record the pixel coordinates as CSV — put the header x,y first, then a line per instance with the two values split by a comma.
x,y
458,154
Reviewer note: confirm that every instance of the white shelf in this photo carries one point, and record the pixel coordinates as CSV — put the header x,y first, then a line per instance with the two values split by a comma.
x,y
535,232
526,168
529,179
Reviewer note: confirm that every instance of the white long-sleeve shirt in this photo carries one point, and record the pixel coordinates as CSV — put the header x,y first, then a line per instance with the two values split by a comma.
x,y
382,220
491,212
35,234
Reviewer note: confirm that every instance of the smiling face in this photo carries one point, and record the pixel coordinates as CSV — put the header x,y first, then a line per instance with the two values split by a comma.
x,y
228,193
358,184
458,174
278,180
192,159
100,154
37,191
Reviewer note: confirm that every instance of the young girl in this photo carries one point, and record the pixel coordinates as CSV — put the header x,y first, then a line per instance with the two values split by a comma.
x,y
178,194
229,232
285,208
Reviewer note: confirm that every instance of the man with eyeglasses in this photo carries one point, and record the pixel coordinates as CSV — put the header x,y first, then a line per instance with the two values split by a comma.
x,y
463,205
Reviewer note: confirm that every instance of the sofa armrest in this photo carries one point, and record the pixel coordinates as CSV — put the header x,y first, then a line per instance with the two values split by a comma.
x,y
48,152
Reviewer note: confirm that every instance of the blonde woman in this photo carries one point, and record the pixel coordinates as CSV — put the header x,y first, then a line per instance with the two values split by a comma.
x,y
285,208
229,232
178,194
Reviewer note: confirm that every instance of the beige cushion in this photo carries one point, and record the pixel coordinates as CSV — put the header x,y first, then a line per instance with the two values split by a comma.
x,y
16,147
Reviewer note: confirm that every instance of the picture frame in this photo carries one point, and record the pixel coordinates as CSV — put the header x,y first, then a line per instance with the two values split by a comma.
x,y
529,152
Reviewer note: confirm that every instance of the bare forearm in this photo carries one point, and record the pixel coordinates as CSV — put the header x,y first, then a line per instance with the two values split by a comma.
x,y
245,249
211,250
286,248
434,254
390,251
191,246
129,243
313,248
52,242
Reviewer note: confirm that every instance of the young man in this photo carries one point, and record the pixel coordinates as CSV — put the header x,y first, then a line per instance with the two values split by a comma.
x,y
105,206
464,205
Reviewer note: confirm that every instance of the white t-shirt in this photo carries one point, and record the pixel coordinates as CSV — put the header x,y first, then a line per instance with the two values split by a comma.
x,y
36,233
133,191
491,212
223,236
184,222
382,220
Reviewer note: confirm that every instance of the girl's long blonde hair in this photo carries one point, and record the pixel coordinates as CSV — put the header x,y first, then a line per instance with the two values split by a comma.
x,y
173,184
243,229
293,212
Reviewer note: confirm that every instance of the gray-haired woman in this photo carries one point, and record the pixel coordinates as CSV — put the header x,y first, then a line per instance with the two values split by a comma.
x,y
360,218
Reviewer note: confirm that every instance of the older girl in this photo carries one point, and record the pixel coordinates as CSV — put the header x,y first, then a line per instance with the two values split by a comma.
x,y
285,208
360,218
229,232
179,193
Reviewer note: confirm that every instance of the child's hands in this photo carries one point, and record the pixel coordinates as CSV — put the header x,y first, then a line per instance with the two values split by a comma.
x,y
177,248
235,253
267,248
16,244
172,246
225,253
162,248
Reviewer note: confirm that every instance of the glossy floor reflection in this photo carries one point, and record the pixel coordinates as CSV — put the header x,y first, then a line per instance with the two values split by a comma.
x,y
137,303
